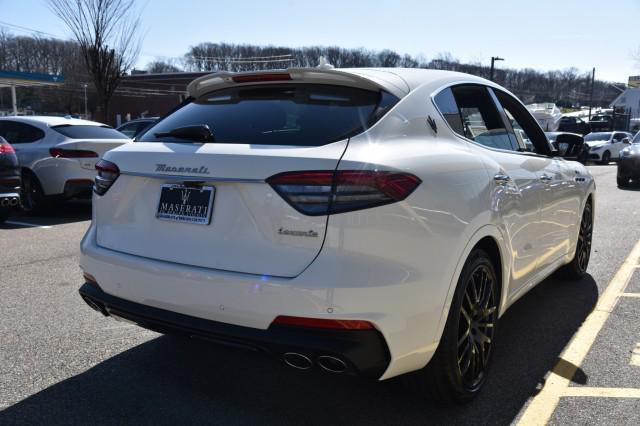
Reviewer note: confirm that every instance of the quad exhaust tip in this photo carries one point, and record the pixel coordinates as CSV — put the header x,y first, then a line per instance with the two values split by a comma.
x,y
9,202
326,362
332,364
298,361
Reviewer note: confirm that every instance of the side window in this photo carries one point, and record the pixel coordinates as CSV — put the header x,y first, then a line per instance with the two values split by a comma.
x,y
16,133
446,103
481,120
528,133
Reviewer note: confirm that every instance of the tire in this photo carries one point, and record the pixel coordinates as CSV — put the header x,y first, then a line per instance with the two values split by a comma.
x,y
33,199
577,268
623,182
458,369
606,158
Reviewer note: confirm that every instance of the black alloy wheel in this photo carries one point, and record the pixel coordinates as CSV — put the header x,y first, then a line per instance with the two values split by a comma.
x,y
33,198
458,369
606,158
577,268
476,325
583,249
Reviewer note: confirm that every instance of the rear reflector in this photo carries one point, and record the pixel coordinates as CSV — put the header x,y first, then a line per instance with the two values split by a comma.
x,y
324,192
89,278
5,148
108,172
275,76
336,324
72,153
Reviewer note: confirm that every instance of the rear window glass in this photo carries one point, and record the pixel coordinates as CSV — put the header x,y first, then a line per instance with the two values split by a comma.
x,y
292,114
89,132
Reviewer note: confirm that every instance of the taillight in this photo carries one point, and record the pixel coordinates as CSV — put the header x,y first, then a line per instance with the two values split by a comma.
x,y
108,172
5,148
317,193
72,153
252,78
336,324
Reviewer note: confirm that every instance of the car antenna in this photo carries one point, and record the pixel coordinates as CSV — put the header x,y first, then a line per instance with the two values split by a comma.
x,y
323,64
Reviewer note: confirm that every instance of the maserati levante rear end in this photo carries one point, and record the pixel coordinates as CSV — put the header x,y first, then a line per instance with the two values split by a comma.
x,y
375,222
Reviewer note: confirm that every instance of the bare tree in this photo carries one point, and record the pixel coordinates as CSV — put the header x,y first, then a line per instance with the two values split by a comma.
x,y
107,33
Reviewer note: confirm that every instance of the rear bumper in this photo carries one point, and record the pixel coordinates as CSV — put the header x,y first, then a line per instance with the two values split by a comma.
x,y
78,188
364,352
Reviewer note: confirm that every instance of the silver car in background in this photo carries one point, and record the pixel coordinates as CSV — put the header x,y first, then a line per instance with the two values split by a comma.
x,y
57,155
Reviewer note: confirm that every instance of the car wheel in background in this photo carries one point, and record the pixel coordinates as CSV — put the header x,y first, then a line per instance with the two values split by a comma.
x,y
606,158
577,268
458,369
623,182
33,198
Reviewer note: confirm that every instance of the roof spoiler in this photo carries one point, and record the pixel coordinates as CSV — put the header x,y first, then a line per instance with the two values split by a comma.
x,y
340,77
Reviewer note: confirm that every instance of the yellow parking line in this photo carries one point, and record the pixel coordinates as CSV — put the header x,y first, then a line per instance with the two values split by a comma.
x,y
631,295
556,384
602,392
635,356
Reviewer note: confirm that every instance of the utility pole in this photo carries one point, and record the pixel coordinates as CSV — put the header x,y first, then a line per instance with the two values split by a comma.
x,y
86,112
493,60
593,77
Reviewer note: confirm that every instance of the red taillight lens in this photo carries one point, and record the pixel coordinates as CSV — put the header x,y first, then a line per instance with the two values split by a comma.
x,y
72,153
5,148
108,172
317,193
252,78
335,324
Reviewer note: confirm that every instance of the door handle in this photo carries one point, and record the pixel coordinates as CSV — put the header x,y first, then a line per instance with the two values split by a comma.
x,y
502,179
546,178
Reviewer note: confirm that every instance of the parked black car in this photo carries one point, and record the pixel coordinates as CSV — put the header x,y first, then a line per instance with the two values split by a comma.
x,y
136,127
629,163
570,145
574,125
601,123
10,180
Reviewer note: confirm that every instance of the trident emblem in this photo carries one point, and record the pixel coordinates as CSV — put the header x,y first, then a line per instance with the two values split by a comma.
x,y
185,195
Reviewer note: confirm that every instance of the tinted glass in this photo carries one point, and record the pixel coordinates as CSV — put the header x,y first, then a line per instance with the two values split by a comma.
x,y
480,118
129,129
446,103
598,136
528,133
292,114
15,132
636,138
89,132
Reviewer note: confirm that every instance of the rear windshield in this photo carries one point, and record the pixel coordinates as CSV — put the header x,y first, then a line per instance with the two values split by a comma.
x,y
292,114
89,132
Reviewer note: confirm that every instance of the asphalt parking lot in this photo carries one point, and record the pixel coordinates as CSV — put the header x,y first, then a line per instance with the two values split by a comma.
x,y
63,363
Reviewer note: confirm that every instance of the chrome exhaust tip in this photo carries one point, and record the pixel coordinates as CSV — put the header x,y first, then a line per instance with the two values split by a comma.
x,y
13,202
331,364
296,360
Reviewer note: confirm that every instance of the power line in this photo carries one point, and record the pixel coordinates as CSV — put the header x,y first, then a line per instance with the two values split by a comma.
x,y
27,29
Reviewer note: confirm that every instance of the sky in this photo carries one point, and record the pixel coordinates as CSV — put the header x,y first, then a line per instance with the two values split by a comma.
x,y
539,34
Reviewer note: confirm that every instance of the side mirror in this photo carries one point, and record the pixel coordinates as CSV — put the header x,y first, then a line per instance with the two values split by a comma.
x,y
626,140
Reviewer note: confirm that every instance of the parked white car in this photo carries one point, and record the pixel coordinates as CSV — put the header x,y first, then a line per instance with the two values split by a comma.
x,y
57,155
606,146
365,221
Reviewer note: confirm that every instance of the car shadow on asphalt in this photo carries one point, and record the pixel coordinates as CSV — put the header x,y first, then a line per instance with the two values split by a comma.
x,y
175,380
58,214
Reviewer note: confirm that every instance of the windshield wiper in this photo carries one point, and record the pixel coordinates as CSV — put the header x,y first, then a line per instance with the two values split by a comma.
x,y
197,132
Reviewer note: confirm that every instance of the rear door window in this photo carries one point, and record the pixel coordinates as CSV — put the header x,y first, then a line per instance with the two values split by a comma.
x,y
291,114
89,132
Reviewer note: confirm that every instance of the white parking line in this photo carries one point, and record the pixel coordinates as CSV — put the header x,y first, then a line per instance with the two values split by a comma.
x,y
635,356
30,225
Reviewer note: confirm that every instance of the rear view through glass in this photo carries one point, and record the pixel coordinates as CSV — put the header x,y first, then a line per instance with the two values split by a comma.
x,y
89,132
292,114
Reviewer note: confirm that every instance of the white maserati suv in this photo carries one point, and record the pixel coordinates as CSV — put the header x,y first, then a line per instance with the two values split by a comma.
x,y
57,155
374,222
